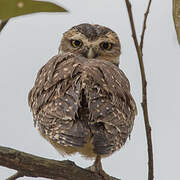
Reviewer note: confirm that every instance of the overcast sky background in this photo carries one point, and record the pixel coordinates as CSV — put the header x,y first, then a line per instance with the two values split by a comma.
x,y
28,42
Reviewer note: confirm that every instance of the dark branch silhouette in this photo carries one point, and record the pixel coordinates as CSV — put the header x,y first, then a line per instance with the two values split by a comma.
x,y
34,166
144,25
15,176
2,24
144,85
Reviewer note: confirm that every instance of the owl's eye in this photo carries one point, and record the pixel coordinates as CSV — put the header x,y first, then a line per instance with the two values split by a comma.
x,y
76,43
106,45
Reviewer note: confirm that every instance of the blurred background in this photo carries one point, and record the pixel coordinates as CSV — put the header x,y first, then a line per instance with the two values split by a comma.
x,y
28,42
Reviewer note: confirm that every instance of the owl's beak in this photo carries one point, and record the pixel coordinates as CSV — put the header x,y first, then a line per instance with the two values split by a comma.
x,y
91,53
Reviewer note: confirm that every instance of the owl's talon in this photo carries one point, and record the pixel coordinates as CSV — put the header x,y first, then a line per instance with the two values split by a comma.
x,y
100,172
97,168
104,175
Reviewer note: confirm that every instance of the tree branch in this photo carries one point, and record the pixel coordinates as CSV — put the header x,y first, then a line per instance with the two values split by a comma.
x,y
34,166
2,24
144,25
144,85
15,176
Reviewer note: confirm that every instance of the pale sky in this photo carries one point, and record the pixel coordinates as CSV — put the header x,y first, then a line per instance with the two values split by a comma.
x,y
28,42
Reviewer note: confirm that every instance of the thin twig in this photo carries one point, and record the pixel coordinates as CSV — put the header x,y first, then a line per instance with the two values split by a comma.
x,y
144,24
34,166
2,24
144,105
15,176
144,91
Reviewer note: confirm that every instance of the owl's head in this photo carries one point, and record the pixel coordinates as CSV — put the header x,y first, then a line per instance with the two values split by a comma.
x,y
92,41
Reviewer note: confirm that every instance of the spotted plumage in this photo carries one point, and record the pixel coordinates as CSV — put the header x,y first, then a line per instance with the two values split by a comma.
x,y
81,100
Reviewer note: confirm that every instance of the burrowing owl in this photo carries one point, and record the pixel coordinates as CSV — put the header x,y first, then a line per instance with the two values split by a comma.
x,y
81,100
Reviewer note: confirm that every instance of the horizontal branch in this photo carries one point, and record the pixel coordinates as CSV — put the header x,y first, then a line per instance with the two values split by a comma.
x,y
34,166
15,176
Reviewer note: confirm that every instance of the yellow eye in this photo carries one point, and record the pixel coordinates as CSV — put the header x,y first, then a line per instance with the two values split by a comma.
x,y
106,45
76,43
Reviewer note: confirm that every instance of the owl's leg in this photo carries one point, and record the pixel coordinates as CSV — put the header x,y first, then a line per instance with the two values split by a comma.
x,y
97,168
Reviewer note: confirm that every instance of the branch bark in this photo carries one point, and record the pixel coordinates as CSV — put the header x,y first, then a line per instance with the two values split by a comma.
x,y
144,25
144,84
3,23
34,166
15,176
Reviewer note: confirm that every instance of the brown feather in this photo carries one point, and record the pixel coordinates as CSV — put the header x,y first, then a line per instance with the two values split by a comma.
x,y
77,100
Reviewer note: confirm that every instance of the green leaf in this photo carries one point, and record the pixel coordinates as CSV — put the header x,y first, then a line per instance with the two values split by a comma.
x,y
13,8
176,16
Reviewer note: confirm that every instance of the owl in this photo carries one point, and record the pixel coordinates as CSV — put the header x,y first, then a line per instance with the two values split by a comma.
x,y
81,100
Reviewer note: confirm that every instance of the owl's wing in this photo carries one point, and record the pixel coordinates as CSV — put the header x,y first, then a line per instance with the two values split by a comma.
x,y
54,101
111,106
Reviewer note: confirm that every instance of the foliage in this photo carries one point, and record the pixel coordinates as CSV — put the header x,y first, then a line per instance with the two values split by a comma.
x,y
13,8
176,16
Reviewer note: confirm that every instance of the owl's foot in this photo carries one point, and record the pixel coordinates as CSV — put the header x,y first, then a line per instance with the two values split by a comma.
x,y
97,168
100,172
